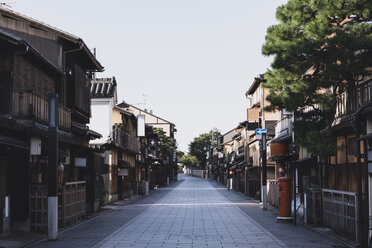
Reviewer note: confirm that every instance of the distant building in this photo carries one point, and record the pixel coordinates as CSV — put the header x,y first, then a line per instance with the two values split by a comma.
x,y
119,142
151,119
257,113
167,167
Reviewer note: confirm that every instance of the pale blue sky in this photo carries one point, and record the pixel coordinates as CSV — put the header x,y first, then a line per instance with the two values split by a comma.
x,y
193,59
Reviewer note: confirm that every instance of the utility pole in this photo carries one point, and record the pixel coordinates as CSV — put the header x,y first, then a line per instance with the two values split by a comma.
x,y
261,132
147,172
264,173
52,167
294,152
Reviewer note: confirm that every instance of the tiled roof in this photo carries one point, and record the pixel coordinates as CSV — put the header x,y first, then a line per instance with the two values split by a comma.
x,y
37,23
15,40
48,28
257,80
103,87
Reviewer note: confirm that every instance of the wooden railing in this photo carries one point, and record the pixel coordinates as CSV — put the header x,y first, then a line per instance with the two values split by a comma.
x,y
283,127
126,140
349,102
30,105
340,212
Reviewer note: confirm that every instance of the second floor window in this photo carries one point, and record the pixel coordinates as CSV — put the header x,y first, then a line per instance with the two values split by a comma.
x,y
6,94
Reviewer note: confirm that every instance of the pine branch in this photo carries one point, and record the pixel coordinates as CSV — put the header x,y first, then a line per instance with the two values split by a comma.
x,y
347,20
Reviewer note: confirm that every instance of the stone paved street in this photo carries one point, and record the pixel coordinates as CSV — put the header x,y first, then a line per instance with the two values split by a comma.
x,y
193,213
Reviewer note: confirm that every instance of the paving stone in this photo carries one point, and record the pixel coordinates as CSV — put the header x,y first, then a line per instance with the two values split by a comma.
x,y
192,213
188,211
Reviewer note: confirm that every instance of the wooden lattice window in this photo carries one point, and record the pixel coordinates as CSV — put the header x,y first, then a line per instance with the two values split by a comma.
x,y
5,92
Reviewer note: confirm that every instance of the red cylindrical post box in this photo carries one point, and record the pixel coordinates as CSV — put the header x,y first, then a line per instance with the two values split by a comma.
x,y
284,197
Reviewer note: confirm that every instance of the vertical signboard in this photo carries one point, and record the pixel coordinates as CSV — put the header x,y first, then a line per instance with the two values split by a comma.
x,y
141,125
174,155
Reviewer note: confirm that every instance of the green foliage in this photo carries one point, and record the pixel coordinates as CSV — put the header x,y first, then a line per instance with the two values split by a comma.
x,y
180,155
199,145
321,48
189,160
309,134
166,145
123,127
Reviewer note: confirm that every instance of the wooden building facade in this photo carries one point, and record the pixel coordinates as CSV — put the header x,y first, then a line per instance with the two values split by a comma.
x,y
37,60
120,144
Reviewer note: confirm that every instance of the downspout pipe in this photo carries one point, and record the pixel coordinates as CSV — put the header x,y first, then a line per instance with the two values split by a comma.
x,y
64,68
81,46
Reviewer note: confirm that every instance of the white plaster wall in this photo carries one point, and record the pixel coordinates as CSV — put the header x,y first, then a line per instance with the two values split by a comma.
x,y
101,119
165,127
152,120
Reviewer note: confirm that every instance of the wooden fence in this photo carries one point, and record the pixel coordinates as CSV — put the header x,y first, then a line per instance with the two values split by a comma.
x,y
313,204
273,193
71,205
253,187
39,208
242,186
73,201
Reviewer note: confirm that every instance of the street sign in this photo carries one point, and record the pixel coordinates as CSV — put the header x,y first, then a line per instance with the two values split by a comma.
x,y
260,131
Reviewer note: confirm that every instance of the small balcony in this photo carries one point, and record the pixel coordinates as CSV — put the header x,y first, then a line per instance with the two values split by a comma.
x,y
349,102
126,141
31,106
283,128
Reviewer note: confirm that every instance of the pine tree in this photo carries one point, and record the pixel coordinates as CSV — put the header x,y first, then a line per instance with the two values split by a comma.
x,y
321,48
